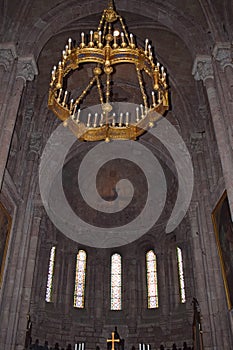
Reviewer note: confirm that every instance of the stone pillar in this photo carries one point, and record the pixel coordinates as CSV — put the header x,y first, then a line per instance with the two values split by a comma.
x,y
203,70
7,59
131,302
99,303
28,279
205,260
16,74
223,54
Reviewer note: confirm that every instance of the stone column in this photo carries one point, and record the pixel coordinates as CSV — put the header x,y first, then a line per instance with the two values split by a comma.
x,y
203,70
28,279
17,74
7,58
223,54
131,302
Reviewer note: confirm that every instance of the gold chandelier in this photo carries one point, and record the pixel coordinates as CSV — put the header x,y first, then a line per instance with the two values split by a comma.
x,y
106,48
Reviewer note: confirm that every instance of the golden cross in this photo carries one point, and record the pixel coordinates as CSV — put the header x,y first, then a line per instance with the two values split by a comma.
x,y
113,340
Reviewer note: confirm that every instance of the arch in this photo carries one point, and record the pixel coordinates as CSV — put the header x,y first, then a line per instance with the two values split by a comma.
x,y
53,21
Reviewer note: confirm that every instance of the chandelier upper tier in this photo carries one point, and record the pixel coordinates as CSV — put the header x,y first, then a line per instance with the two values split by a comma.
x,y
107,48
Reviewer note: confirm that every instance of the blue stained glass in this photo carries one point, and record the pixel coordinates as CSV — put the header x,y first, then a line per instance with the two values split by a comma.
x,y
152,280
49,287
80,276
181,275
116,282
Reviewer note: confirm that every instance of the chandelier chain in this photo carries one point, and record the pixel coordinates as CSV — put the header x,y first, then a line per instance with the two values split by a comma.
x,y
124,29
85,91
142,87
99,90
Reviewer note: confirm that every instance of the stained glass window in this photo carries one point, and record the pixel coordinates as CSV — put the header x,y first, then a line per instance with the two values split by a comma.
x,y
152,280
80,276
181,275
49,287
116,282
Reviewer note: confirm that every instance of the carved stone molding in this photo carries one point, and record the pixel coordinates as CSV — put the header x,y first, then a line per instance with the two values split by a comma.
x,y
223,54
7,55
196,142
203,68
27,68
34,145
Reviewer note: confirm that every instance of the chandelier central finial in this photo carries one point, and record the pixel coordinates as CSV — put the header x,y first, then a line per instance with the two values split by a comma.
x,y
108,47
111,5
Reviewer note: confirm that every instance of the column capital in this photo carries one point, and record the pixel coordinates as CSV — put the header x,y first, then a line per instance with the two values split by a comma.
x,y
27,68
223,53
7,55
203,68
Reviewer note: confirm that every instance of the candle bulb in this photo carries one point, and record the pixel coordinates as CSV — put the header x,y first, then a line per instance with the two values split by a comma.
x,y
123,38
88,120
113,119
78,115
127,119
91,36
100,36
142,111
131,39
82,39
146,45
64,99
59,95
121,117
150,51
153,98
162,70
71,104
69,45
158,65
53,73
76,347
95,120
74,111
101,119
137,114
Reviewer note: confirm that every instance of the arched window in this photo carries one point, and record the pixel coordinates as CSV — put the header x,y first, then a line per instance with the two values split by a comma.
x,y
49,287
80,277
152,280
181,275
116,277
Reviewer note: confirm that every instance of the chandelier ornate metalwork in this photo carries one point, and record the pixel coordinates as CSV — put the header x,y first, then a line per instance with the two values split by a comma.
x,y
106,48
